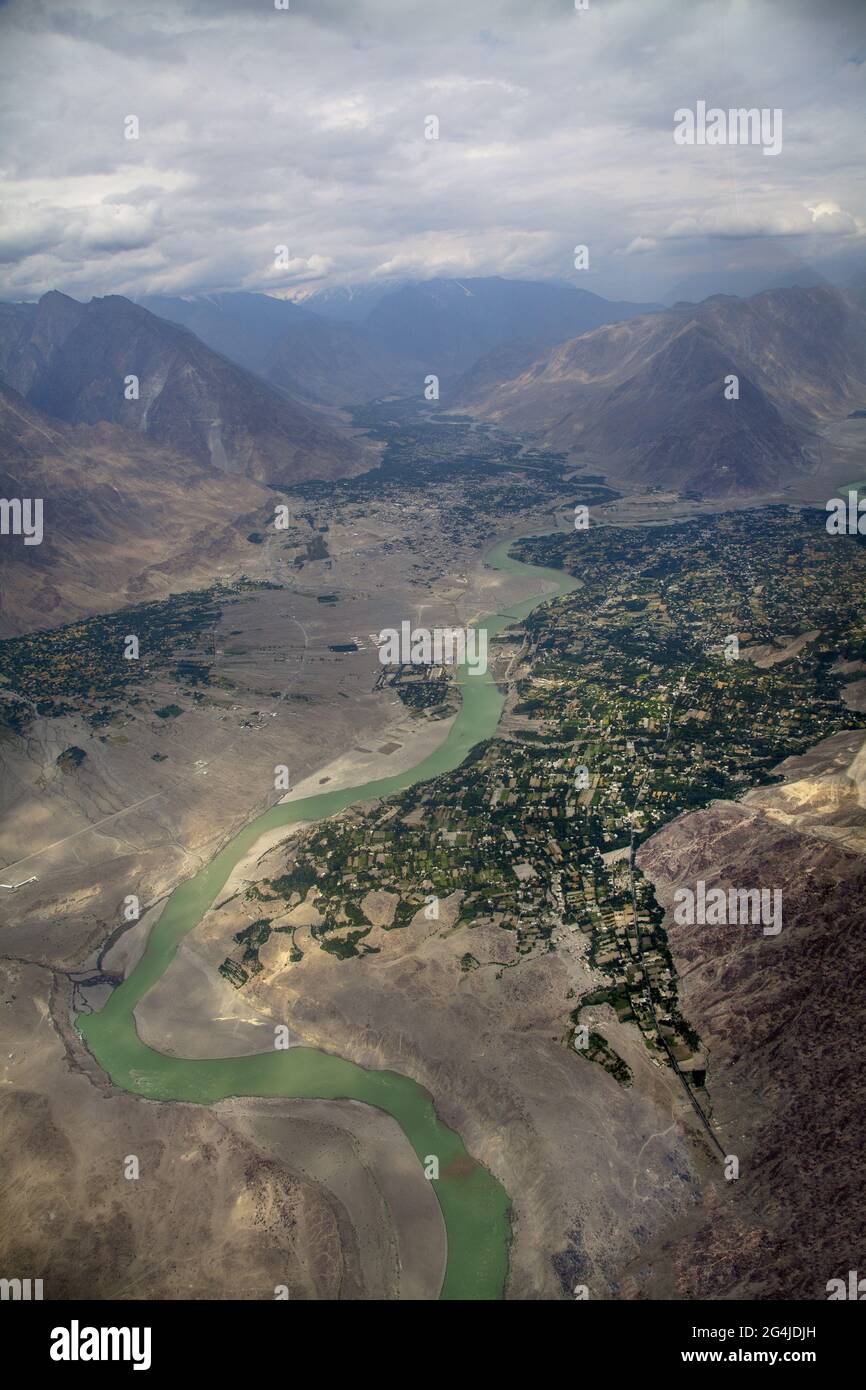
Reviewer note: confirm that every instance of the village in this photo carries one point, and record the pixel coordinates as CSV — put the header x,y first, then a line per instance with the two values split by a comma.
x,y
619,719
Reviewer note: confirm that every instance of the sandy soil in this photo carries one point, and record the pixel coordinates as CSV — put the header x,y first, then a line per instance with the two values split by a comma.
x,y
768,655
592,1167
209,1216
367,1164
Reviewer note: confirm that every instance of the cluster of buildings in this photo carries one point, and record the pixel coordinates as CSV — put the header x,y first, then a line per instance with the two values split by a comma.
x,y
625,713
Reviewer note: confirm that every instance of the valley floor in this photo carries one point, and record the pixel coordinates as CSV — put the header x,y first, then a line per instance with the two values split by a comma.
x,y
611,1183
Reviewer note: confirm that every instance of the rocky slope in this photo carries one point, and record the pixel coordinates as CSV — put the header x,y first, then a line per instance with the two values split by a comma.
x,y
649,394
783,1019
123,519
73,362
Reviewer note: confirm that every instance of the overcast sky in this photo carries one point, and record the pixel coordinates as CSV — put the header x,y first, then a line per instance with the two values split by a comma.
x,y
261,127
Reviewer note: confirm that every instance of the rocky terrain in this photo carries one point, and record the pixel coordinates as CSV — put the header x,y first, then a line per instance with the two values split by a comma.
x,y
595,1170
73,361
247,1200
648,394
124,519
782,1019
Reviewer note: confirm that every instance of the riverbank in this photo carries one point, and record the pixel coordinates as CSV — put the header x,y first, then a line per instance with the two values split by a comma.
x,y
474,1206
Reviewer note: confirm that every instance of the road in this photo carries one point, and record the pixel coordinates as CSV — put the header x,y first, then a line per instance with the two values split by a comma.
x,y
84,831
693,1100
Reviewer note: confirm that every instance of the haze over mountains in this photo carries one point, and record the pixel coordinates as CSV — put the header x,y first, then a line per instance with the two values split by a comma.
x,y
639,388
648,395
320,362
388,341
240,389
451,323
72,361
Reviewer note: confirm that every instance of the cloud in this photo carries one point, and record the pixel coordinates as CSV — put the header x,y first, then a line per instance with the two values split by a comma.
x,y
823,219
28,230
829,219
306,128
640,245
118,227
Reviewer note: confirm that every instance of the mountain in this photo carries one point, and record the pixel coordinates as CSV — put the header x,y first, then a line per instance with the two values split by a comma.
x,y
671,417
648,394
806,347
782,1020
445,325
345,303
318,361
333,365
71,361
243,327
345,346
124,519
838,269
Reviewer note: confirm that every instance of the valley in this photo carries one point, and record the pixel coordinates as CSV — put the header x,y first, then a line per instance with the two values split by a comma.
x,y
432,675
537,930
190,703
443,894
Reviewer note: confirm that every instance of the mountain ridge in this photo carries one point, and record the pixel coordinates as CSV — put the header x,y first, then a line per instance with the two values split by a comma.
x,y
648,393
124,519
74,362
389,341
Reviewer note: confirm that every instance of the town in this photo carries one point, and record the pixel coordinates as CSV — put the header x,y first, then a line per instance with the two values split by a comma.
x,y
624,714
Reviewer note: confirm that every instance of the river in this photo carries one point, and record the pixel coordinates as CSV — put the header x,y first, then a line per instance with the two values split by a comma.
x,y
475,1207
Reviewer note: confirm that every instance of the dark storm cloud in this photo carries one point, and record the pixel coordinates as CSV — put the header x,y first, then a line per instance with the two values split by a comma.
x,y
305,128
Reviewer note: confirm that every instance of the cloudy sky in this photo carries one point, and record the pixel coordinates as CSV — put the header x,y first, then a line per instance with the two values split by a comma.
x,y
261,127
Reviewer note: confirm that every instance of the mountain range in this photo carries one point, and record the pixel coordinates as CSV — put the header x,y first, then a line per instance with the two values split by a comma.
x,y
239,390
315,360
388,342
112,360
648,396
447,324
639,388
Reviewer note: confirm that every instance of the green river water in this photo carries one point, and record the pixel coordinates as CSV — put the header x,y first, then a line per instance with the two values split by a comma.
x,y
475,1207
